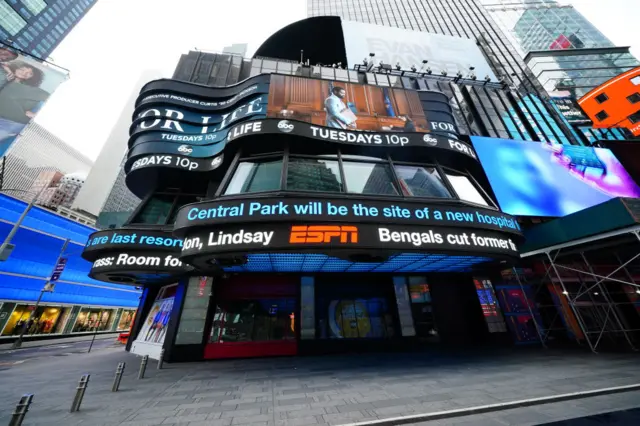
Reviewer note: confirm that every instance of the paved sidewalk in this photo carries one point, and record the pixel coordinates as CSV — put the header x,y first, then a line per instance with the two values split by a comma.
x,y
308,390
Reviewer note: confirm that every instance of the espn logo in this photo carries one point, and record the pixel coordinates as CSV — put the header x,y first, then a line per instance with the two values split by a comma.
x,y
323,234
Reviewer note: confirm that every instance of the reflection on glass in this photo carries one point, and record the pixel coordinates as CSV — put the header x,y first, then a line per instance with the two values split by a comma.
x,y
305,174
358,319
255,176
465,189
367,178
421,182
254,320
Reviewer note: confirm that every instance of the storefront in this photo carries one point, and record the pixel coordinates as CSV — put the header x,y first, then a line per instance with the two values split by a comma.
x,y
52,319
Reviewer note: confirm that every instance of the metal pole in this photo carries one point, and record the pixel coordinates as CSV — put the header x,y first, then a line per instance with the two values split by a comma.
x,y
95,331
16,225
118,377
161,359
18,343
21,410
80,390
533,317
143,367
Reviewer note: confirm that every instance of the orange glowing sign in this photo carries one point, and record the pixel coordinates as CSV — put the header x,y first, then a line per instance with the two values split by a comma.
x,y
304,234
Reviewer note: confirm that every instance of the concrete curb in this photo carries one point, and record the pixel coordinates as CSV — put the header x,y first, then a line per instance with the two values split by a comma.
x,y
414,418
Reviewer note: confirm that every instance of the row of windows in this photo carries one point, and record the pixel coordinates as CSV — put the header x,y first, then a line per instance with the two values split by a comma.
x,y
350,174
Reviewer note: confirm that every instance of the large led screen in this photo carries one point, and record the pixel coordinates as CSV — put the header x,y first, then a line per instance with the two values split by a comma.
x,y
343,105
540,179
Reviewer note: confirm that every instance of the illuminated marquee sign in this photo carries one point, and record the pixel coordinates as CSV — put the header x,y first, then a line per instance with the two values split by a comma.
x,y
283,237
298,209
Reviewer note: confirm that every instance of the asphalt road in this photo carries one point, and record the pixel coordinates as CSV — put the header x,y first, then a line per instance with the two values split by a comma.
x,y
13,357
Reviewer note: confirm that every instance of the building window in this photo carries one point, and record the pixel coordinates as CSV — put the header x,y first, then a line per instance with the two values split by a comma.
x,y
602,97
465,188
35,6
635,117
311,174
10,20
634,99
602,115
369,178
156,210
418,181
256,176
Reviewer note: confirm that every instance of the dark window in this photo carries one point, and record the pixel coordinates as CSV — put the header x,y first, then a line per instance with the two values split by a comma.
x,y
254,320
634,99
256,176
156,210
635,117
601,98
602,115
306,174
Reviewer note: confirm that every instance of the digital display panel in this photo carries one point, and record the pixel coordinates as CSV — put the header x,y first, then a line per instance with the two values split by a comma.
x,y
541,179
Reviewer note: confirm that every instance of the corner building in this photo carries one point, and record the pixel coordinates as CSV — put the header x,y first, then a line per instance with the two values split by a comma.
x,y
292,214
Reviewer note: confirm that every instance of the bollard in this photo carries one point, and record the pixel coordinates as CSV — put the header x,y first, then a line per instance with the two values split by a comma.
x,y
143,367
80,390
21,410
161,359
118,377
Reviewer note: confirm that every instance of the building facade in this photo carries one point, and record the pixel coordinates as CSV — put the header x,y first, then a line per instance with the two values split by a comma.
x,y
104,190
564,51
38,26
77,304
39,159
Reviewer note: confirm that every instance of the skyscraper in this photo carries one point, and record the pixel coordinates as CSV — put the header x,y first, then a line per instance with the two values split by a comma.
x,y
38,26
458,18
565,52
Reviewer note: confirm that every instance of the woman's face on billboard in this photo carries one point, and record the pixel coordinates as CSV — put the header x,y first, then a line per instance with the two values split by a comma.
x,y
23,73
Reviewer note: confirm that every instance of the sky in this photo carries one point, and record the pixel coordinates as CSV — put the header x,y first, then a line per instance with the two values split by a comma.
x,y
119,39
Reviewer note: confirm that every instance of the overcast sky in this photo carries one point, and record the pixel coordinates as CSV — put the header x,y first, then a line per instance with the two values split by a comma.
x,y
119,39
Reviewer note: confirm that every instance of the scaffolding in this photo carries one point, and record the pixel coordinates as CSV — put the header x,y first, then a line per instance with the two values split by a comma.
x,y
592,286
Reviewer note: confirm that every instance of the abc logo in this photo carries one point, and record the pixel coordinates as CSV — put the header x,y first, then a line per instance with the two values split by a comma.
x,y
285,126
216,162
185,149
430,140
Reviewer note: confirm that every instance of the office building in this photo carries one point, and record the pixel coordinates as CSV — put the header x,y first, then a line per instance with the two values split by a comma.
x,y
38,26
104,190
314,208
36,160
564,51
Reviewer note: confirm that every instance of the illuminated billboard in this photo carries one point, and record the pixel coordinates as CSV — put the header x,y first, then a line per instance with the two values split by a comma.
x,y
347,106
539,179
25,85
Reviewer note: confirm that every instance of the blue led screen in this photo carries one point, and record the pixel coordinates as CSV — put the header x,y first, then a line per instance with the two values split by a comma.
x,y
541,179
406,262
34,256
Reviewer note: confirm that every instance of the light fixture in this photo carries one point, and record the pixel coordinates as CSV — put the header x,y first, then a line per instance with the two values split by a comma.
x,y
638,291
473,77
429,70
487,78
372,54
413,68
565,292
398,67
443,72
596,293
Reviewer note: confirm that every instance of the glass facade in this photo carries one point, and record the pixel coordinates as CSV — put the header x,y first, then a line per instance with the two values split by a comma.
x,y
38,26
352,174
